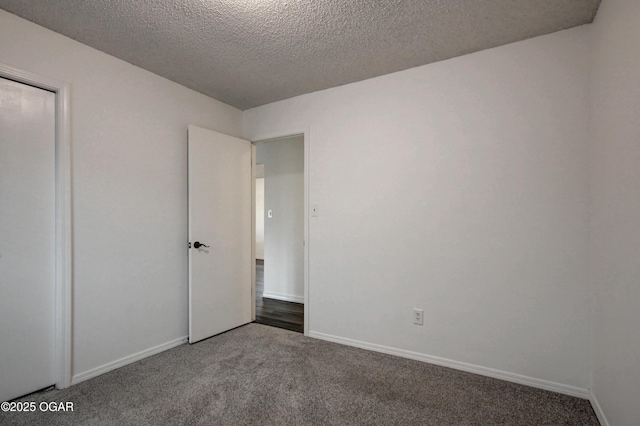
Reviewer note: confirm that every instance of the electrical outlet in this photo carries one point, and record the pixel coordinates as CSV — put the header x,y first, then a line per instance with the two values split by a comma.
x,y
418,316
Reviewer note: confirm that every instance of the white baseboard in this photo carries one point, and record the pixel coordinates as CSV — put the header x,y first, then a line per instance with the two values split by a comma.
x,y
596,407
127,360
285,297
457,365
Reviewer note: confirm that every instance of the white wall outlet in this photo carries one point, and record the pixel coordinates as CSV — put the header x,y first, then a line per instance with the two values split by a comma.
x,y
270,214
418,316
314,210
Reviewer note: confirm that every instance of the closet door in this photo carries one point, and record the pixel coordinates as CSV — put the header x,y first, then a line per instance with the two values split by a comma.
x,y
27,239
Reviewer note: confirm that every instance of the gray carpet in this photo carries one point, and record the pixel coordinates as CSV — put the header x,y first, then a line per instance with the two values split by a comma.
x,y
257,374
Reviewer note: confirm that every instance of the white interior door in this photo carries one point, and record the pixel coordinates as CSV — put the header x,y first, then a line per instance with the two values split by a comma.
x,y
220,218
27,239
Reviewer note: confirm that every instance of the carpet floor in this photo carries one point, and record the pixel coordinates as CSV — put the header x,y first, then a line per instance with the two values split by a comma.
x,y
260,375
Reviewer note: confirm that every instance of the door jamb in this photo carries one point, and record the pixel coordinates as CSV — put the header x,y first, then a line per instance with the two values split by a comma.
x,y
63,220
307,142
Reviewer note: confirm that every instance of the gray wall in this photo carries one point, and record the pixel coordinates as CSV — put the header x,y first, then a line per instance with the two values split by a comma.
x,y
615,210
129,144
460,188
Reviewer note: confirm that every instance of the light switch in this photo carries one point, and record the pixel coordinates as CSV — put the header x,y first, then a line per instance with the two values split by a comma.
x,y
314,210
270,214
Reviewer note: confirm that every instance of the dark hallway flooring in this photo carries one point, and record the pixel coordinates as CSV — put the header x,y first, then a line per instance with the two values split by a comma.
x,y
276,313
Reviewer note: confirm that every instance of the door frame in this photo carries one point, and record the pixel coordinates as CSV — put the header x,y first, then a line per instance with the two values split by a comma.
x,y
260,138
63,219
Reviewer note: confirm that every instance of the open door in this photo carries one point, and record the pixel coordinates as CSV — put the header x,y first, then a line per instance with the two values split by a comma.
x,y
219,233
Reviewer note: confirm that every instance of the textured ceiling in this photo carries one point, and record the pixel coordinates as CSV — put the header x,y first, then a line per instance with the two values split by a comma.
x,y
251,52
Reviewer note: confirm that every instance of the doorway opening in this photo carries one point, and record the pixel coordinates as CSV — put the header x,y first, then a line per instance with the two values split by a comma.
x,y
279,238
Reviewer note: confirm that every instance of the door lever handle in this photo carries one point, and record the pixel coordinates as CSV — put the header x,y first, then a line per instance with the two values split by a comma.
x,y
198,244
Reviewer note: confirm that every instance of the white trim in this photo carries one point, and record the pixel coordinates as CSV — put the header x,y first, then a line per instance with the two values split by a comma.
x,y
598,409
307,173
457,365
306,132
284,297
127,360
253,232
64,220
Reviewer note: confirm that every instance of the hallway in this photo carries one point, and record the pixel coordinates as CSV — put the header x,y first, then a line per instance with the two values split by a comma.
x,y
276,313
